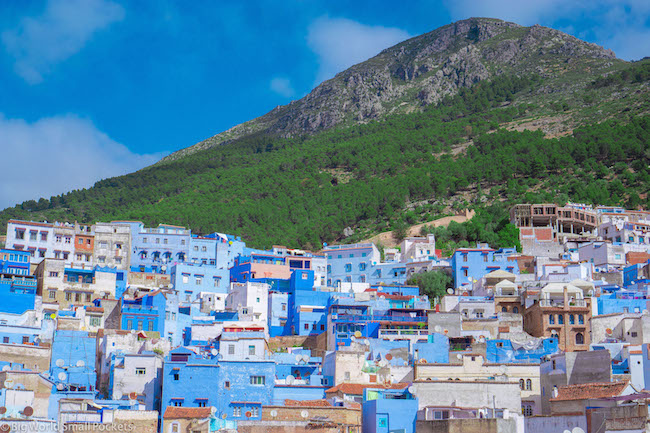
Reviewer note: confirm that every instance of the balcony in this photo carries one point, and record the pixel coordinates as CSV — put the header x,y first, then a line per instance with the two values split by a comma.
x,y
139,309
551,303
384,333
374,318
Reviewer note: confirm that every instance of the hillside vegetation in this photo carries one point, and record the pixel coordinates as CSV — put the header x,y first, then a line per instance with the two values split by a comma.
x,y
468,149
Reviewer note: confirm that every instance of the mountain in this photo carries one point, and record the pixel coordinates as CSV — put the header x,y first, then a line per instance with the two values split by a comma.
x,y
422,71
478,114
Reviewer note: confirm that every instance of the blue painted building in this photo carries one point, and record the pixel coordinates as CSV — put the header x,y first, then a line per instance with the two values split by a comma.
x,y
389,410
237,389
472,264
191,279
14,262
156,249
361,263
72,370
434,351
18,293
503,351
622,301
156,312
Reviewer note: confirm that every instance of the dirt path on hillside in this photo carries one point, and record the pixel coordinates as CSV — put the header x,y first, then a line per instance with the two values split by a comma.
x,y
388,240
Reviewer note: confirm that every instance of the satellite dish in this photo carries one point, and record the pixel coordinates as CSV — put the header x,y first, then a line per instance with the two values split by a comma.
x,y
6,368
214,352
224,416
353,338
274,413
357,334
437,328
388,356
63,376
298,358
481,339
59,386
366,342
445,331
304,414
133,402
133,396
60,363
3,410
290,379
608,331
459,356
9,383
248,414
213,410
577,430
450,291
28,411
81,363
5,428
305,358
566,431
117,395
423,361
132,331
412,389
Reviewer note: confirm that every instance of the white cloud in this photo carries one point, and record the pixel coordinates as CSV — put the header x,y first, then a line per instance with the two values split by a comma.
x,y
616,24
282,86
57,154
341,43
64,28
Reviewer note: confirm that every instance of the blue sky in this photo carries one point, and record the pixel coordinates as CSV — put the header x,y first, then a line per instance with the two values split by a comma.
x,y
95,88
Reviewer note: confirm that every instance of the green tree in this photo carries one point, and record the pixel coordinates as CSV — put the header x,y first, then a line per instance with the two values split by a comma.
x,y
434,284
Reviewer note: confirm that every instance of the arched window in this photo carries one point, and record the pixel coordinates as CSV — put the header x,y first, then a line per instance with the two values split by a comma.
x,y
560,319
572,319
529,384
580,339
515,310
581,319
521,383
504,310
551,319
143,254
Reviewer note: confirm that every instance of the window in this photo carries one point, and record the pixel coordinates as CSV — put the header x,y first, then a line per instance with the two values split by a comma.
x,y
101,259
362,278
186,279
254,411
150,326
348,267
217,281
226,384
176,376
140,371
32,236
251,350
231,349
485,257
177,403
284,307
54,274
129,324
204,248
581,319
521,384
346,375
52,293
196,247
515,310
81,241
77,297
465,272
165,241
5,340
306,326
118,246
95,321
580,339
157,240
200,403
20,234
553,364
527,409
199,281
529,385
25,340
41,253
362,266
572,320
464,257
236,411
560,319
258,380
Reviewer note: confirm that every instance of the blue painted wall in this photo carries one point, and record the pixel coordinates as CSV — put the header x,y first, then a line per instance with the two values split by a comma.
x,y
475,263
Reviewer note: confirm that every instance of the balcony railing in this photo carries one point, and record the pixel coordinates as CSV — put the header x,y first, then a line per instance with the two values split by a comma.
x,y
402,332
373,318
137,309
578,303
